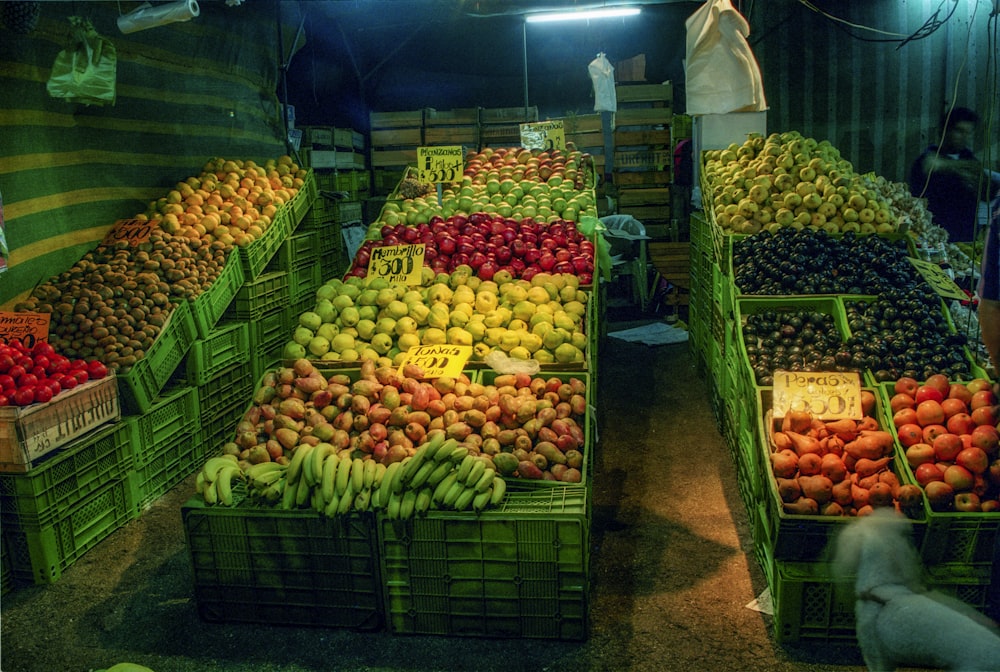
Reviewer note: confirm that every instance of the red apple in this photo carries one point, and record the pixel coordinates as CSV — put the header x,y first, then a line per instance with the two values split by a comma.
x,y
989,505
927,472
946,446
919,453
974,459
982,398
986,437
977,384
910,434
931,432
961,392
968,502
940,382
929,412
959,478
904,416
906,385
986,415
901,400
960,423
925,392
940,495
952,406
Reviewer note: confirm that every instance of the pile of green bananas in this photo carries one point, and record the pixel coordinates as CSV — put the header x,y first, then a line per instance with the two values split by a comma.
x,y
441,474
215,480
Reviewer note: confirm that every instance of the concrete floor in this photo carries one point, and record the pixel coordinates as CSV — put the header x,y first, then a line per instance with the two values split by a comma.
x,y
671,561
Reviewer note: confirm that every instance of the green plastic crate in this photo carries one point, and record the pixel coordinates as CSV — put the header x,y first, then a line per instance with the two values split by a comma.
x,y
810,607
275,567
303,200
488,376
224,346
40,554
298,250
255,256
66,477
140,385
176,413
520,571
228,392
304,281
208,308
795,537
260,297
6,575
164,467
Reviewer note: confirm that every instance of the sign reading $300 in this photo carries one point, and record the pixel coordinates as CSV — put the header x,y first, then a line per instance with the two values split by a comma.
x,y
397,264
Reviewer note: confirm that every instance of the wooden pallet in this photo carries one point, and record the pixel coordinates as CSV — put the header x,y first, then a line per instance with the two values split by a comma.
x,y
673,262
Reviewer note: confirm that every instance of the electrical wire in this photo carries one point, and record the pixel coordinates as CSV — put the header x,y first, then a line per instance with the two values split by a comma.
x,y
928,28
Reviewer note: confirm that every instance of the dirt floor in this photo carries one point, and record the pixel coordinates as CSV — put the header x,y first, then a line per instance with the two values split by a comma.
x,y
672,564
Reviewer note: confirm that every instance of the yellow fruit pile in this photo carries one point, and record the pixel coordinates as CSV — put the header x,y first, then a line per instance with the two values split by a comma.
x,y
789,180
231,201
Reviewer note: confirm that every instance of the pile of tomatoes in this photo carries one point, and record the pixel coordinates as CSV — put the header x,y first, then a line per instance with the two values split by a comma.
x,y
35,375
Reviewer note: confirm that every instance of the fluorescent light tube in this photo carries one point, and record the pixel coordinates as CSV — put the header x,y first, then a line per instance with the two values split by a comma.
x,y
606,13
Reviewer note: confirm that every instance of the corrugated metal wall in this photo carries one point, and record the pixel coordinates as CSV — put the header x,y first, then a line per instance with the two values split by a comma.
x,y
877,101
185,93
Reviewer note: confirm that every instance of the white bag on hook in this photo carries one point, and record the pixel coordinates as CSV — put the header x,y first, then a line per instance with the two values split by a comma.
x,y
602,74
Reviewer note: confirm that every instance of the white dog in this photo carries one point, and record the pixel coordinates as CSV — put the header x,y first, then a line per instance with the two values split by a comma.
x,y
899,621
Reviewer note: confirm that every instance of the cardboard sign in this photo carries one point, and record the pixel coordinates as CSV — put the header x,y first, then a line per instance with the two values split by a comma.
x,y
397,264
132,231
827,395
543,135
438,361
440,164
29,327
941,282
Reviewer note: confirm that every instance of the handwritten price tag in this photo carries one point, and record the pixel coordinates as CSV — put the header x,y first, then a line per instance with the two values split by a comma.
x,y
29,328
440,164
132,231
543,135
397,264
438,361
940,281
826,395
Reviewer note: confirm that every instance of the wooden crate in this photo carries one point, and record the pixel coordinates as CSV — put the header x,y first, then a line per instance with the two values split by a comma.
x,y
650,196
408,119
642,138
653,158
452,135
31,432
468,116
644,116
508,115
661,94
641,178
673,262
647,213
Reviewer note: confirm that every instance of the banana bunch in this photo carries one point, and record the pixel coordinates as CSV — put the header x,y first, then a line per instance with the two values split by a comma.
x,y
266,480
441,474
215,480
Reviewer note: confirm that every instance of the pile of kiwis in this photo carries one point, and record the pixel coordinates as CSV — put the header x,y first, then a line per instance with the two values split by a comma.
x,y
112,304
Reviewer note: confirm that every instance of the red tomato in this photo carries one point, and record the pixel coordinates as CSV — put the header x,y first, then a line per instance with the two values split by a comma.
x,y
68,383
6,381
6,361
4,401
54,385
81,376
43,362
16,371
96,369
27,362
24,396
38,371
43,394
27,380
43,348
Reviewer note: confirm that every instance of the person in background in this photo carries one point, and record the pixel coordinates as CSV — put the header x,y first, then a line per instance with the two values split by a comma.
x,y
951,178
989,288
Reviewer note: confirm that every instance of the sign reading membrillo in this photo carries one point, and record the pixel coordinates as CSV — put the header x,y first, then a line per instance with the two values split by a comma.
x,y
397,264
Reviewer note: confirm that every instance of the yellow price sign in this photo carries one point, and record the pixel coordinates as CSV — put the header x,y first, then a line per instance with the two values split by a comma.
x,y
438,361
28,327
826,395
131,231
543,135
940,281
397,264
440,164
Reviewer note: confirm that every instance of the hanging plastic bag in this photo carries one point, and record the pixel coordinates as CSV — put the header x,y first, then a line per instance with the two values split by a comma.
x,y
86,70
720,70
589,226
602,74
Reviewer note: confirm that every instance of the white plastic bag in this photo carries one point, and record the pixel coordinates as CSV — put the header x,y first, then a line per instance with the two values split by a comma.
x,y
721,72
602,74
